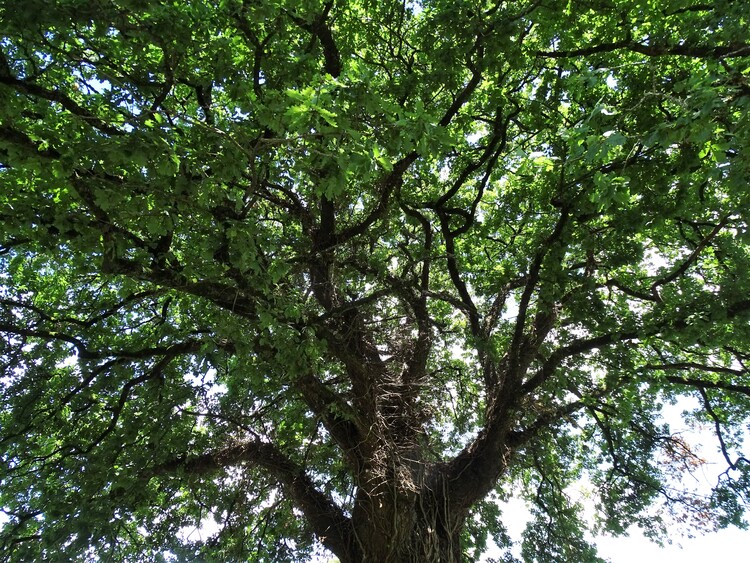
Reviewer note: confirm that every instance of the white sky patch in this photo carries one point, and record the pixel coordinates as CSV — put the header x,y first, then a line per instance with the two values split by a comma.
x,y
207,529
445,173
474,138
69,362
721,545
724,545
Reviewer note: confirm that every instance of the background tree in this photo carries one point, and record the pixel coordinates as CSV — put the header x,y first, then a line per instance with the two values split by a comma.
x,y
347,272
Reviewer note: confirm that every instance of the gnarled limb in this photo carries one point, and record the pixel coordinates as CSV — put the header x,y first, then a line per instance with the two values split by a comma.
x,y
332,527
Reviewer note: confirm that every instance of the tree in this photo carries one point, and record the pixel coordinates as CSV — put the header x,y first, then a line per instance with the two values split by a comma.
x,y
347,273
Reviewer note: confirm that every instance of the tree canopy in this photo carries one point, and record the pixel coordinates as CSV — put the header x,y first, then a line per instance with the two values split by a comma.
x,y
345,274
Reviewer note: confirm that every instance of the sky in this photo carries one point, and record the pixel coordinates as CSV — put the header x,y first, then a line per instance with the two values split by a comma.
x,y
725,545
730,544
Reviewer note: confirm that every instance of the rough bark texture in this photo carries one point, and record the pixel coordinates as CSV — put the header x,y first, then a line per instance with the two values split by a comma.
x,y
401,521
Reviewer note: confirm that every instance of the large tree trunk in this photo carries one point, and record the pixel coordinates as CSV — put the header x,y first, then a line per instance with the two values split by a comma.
x,y
409,510
393,524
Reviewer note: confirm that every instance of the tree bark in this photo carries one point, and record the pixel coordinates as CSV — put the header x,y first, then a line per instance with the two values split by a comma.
x,y
393,524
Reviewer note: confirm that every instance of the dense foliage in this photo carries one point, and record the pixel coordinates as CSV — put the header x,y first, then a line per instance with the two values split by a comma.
x,y
346,273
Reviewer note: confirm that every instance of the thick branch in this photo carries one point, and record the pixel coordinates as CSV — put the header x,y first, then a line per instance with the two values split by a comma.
x,y
21,139
322,32
573,349
475,470
337,416
327,519
520,347
63,100
702,383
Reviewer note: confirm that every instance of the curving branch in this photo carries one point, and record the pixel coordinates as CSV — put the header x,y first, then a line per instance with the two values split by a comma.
x,y
156,372
332,527
64,316
682,268
630,292
386,188
22,140
581,346
521,437
422,344
454,272
337,416
717,426
575,348
49,335
85,353
521,348
67,103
